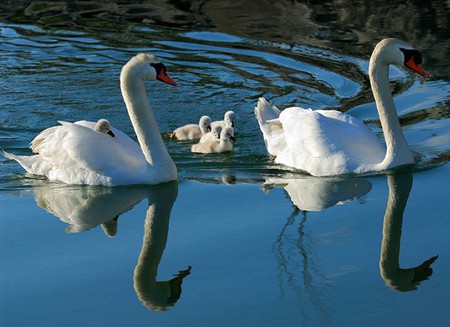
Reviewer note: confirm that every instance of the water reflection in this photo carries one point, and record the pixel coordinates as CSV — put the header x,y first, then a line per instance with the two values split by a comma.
x,y
317,194
397,278
295,248
85,207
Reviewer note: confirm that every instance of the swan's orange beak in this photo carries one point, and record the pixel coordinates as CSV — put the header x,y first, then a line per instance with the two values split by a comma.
x,y
417,68
163,77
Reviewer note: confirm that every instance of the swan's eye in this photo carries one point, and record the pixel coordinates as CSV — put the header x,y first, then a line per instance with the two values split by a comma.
x,y
159,67
412,53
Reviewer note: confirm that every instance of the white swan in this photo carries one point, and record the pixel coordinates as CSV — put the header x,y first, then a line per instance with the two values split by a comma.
x,y
104,126
224,144
228,120
76,154
192,131
328,142
213,135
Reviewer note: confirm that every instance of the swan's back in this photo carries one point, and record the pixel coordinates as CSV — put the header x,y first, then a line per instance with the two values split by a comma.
x,y
327,142
321,142
75,153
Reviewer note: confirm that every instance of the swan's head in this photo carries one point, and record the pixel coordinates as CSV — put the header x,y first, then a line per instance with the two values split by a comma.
x,y
103,126
216,130
147,67
397,52
228,134
229,118
205,124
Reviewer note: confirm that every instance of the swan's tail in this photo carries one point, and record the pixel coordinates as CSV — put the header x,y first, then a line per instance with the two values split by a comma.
x,y
270,126
26,162
264,112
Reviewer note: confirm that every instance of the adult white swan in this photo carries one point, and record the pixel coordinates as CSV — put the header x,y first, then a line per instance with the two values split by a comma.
x,y
77,154
328,142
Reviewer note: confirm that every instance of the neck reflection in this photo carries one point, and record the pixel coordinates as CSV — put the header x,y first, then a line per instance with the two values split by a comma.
x,y
395,277
86,207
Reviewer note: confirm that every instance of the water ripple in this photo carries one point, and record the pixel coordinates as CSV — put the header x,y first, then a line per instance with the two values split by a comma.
x,y
51,75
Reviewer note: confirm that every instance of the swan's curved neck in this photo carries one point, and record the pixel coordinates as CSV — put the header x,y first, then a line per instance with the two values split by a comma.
x,y
143,120
397,150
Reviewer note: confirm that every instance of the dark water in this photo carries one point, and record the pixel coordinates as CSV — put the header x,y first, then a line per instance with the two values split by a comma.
x,y
267,247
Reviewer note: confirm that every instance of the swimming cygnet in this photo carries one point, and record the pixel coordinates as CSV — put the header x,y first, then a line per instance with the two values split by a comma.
x,y
228,120
213,135
104,126
224,144
192,131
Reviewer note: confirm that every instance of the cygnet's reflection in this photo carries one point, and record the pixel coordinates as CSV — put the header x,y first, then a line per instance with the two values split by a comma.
x,y
395,277
87,207
317,194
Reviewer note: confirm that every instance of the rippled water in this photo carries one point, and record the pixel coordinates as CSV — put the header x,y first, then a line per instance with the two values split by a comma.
x,y
267,246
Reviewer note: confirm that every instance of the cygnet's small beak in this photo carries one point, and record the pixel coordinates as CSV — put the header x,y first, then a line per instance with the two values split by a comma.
x,y
233,140
111,133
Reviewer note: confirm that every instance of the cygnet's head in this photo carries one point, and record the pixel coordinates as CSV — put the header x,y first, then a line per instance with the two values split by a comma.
x,y
229,118
216,130
103,126
205,124
228,134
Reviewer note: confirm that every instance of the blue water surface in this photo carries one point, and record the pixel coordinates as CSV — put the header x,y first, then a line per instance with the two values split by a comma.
x,y
238,240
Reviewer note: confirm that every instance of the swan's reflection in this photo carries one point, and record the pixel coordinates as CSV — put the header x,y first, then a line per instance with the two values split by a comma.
x,y
316,194
85,207
395,277
294,247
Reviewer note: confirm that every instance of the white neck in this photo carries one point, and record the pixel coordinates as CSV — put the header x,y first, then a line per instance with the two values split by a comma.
x,y
144,123
397,150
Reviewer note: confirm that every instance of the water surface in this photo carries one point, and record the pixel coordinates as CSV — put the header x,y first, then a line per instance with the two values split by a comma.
x,y
238,240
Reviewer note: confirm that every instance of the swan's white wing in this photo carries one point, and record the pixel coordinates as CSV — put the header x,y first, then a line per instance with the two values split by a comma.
x,y
326,142
75,153
99,152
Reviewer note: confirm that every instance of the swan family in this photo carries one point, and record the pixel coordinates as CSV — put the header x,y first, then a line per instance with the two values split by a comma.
x,y
318,142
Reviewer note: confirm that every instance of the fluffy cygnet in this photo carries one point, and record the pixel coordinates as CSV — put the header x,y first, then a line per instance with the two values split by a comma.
x,y
224,144
213,135
228,120
192,131
104,126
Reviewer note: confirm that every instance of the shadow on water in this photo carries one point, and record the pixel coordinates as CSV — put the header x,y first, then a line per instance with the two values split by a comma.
x,y
85,207
337,24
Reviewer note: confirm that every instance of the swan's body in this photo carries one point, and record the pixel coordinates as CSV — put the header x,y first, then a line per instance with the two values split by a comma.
x,y
328,142
103,126
228,120
213,135
224,144
192,131
75,153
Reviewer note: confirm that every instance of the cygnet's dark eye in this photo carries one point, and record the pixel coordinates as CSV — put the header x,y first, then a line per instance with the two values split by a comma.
x,y
412,53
